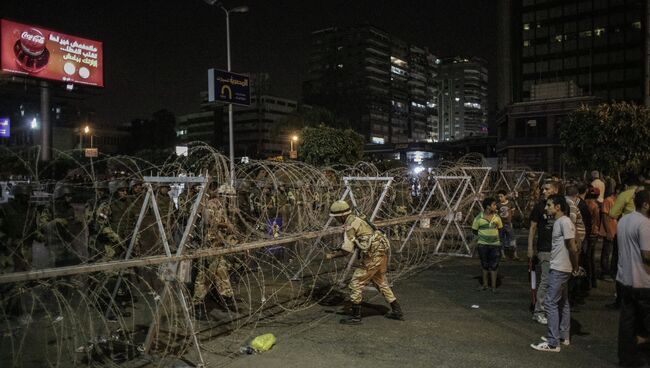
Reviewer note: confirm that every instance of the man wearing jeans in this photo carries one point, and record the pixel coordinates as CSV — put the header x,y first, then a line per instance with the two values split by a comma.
x,y
541,225
563,263
633,280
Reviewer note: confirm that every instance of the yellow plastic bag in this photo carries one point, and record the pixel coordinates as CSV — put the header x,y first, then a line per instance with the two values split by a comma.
x,y
263,343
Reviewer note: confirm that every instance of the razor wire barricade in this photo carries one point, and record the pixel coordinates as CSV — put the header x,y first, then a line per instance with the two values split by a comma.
x,y
268,235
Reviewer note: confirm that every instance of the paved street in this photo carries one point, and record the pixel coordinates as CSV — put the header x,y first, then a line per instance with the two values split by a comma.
x,y
442,329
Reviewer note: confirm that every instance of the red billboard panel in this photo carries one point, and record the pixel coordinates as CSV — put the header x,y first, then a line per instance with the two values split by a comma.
x,y
43,53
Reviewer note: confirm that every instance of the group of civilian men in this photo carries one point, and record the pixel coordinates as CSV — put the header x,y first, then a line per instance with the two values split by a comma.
x,y
556,239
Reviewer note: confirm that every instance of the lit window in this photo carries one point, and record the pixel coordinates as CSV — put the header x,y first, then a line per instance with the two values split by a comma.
x,y
526,26
378,140
585,34
526,43
636,25
340,66
560,38
599,32
398,71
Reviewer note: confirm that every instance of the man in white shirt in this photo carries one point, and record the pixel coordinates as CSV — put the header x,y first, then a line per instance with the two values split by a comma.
x,y
564,263
633,279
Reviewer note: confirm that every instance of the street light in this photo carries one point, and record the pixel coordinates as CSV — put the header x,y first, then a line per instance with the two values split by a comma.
x,y
238,9
86,131
293,154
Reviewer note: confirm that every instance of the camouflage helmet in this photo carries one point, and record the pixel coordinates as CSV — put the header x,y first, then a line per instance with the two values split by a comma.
x,y
135,182
340,208
116,185
61,191
226,189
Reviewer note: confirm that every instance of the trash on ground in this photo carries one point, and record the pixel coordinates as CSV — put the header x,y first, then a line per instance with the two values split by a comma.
x,y
263,343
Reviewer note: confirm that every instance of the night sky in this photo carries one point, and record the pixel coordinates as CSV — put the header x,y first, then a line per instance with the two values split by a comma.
x,y
156,53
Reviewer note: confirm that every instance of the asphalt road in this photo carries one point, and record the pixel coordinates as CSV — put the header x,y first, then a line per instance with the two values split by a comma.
x,y
441,329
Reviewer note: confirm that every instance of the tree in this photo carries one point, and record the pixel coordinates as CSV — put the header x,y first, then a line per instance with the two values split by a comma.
x,y
614,138
309,117
323,145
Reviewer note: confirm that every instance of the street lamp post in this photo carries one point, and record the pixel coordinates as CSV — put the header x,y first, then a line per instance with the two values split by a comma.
x,y
231,135
293,154
86,131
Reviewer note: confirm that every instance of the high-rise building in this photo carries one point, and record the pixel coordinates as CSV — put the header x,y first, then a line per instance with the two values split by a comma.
x,y
462,98
553,57
599,45
382,85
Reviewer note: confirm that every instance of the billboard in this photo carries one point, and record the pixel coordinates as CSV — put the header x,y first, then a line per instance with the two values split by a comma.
x,y
46,54
228,87
5,127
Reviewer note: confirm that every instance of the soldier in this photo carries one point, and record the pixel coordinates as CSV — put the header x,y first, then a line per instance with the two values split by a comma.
x,y
167,209
373,245
102,238
214,226
64,227
120,217
403,202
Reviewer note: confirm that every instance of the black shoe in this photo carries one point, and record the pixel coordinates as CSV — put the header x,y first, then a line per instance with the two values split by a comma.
x,y
396,312
355,316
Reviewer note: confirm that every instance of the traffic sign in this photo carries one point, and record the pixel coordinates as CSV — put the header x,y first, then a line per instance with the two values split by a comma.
x,y
228,87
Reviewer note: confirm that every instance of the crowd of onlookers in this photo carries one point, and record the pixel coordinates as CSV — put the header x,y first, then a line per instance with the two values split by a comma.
x,y
572,220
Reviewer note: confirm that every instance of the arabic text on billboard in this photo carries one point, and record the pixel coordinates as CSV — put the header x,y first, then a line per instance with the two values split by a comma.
x,y
228,87
5,128
43,53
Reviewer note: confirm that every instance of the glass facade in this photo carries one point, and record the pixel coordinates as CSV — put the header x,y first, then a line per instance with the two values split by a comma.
x,y
598,44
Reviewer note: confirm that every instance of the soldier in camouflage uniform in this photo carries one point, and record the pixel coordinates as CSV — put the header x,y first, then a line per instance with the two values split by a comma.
x,y
103,240
167,210
120,219
373,246
66,228
214,228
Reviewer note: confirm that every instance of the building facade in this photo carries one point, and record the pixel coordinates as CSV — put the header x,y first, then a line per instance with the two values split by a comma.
x,y
258,128
462,98
554,56
599,45
528,132
382,85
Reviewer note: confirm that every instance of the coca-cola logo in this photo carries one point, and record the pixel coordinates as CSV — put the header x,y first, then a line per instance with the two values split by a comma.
x,y
36,38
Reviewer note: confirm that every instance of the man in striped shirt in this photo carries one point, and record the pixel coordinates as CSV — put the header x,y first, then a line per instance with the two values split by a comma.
x,y
487,225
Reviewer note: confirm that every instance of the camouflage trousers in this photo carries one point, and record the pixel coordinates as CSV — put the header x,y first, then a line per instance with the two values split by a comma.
x,y
216,275
372,269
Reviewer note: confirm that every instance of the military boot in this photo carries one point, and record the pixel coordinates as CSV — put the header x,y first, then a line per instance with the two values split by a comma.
x,y
229,304
355,316
396,312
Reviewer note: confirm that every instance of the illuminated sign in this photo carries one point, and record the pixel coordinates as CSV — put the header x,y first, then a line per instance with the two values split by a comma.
x,y
228,87
91,152
5,128
46,54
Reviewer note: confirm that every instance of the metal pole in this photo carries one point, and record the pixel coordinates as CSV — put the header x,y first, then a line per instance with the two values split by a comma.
x,y
231,135
46,129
